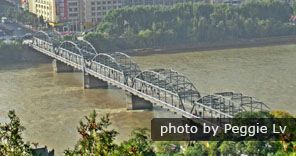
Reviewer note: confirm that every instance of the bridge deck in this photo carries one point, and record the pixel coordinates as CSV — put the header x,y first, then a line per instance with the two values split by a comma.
x,y
165,88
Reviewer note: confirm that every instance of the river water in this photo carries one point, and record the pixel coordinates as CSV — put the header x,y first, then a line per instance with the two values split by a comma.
x,y
50,105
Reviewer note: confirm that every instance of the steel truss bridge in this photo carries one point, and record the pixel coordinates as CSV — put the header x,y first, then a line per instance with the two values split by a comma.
x,y
164,87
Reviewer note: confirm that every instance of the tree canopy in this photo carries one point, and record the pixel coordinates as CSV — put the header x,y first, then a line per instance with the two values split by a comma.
x,y
191,23
97,139
11,141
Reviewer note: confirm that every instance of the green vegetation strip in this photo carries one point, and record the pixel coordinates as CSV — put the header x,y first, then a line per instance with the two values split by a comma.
x,y
97,139
191,24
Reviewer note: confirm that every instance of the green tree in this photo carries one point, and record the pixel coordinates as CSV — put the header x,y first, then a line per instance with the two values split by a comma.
x,y
196,149
96,139
139,144
248,114
228,148
11,141
145,36
168,148
267,9
191,23
254,147
101,41
213,148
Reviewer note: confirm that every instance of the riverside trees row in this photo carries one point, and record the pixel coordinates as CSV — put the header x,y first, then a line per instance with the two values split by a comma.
x,y
191,23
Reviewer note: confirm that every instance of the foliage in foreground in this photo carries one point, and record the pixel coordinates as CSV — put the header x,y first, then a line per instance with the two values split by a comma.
x,y
97,139
11,142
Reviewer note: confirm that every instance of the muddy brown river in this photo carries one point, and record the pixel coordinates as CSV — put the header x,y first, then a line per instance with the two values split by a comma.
x,y
50,105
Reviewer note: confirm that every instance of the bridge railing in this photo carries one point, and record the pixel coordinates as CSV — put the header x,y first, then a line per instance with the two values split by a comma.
x,y
156,92
64,55
150,90
137,85
43,44
217,106
70,56
106,71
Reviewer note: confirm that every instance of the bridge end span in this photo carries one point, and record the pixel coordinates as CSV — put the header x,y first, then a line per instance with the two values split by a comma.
x,y
134,102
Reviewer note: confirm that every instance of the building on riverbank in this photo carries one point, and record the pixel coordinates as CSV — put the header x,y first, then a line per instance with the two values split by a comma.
x,y
72,15
78,15
53,11
75,15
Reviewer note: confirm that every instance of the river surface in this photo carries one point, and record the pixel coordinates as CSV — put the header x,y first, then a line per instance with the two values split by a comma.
x,y
51,105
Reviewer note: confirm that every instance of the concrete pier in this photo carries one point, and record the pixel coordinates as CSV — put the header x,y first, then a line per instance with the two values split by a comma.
x,y
136,103
60,67
93,82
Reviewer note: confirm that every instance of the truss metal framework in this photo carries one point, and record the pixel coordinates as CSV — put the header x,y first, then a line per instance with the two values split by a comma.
x,y
244,102
107,60
163,84
43,35
71,46
128,66
87,49
52,37
180,84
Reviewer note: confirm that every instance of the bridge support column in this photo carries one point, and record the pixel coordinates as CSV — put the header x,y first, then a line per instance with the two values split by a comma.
x,y
93,82
136,103
61,67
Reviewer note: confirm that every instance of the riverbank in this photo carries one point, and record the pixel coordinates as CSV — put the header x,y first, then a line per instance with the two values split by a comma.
x,y
15,53
222,45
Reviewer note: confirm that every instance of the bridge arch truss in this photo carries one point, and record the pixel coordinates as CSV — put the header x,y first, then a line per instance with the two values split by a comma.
x,y
107,60
87,49
163,85
43,35
129,67
70,51
182,92
71,46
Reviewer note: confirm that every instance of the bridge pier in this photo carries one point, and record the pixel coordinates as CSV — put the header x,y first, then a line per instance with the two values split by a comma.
x,y
134,102
93,82
60,67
